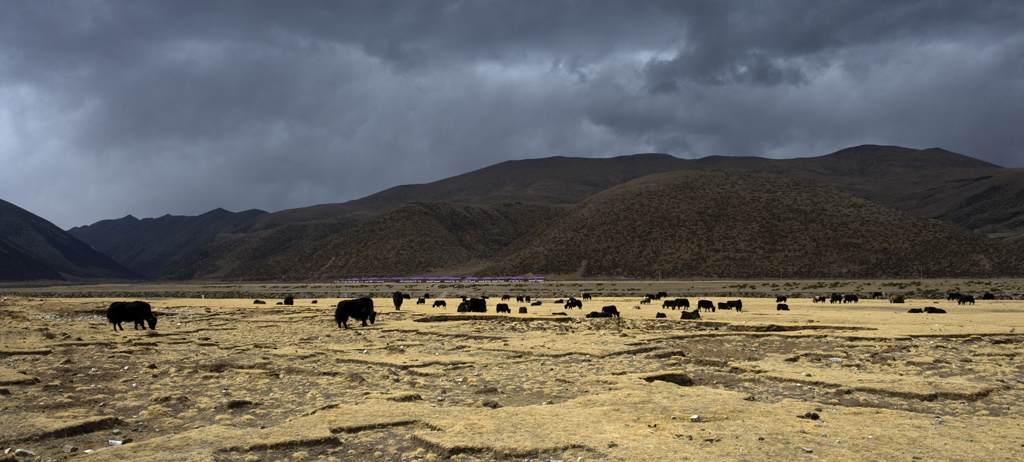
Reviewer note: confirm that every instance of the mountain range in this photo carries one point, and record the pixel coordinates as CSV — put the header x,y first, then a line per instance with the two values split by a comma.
x,y
867,211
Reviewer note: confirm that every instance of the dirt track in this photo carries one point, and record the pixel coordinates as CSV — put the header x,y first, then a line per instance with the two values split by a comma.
x,y
228,380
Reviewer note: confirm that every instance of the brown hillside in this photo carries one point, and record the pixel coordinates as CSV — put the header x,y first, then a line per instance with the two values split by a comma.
x,y
415,239
234,253
719,224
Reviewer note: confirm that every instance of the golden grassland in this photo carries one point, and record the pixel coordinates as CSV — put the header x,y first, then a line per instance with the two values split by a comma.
x,y
224,379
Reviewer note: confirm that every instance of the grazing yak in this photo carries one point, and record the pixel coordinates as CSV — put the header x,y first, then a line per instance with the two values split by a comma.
x,y
953,296
520,298
138,312
965,299
573,303
506,297
781,299
610,309
877,295
819,298
474,305
836,298
645,301
736,304
421,301
360,309
724,306
897,299
586,296
706,305
850,298
398,298
503,308
988,296
782,307
695,314
440,303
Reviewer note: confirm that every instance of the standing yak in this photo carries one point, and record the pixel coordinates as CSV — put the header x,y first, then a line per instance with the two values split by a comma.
x,y
398,298
360,309
140,313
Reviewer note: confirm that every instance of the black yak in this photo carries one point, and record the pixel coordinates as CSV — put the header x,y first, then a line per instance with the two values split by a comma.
x,y
360,309
695,314
610,309
398,298
138,312
473,305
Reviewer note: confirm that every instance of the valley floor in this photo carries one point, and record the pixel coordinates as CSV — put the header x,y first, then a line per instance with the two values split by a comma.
x,y
224,379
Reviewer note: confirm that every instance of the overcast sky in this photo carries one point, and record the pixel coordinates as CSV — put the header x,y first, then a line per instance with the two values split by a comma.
x,y
110,108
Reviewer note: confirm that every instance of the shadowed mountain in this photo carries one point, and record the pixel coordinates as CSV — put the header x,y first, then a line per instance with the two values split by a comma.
x,y
32,248
552,180
417,238
149,246
722,224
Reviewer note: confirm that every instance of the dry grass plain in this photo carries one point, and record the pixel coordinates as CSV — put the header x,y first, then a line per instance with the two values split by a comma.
x,y
223,379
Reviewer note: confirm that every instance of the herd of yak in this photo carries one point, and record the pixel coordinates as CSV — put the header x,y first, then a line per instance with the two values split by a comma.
x,y
361,309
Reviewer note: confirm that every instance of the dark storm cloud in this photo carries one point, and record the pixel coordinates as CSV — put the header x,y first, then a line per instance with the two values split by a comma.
x,y
116,107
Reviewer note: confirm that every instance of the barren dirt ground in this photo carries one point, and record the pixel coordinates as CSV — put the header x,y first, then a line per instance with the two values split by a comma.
x,y
224,379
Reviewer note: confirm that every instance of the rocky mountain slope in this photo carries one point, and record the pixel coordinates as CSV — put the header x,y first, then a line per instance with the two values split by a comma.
x,y
32,248
721,224
149,246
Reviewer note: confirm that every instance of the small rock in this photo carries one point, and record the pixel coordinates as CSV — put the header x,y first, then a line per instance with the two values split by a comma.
x,y
23,453
695,418
69,449
486,390
5,392
612,445
490,403
808,450
116,431
237,403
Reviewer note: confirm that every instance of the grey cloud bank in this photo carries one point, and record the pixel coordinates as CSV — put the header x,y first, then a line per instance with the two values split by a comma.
x,y
110,108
